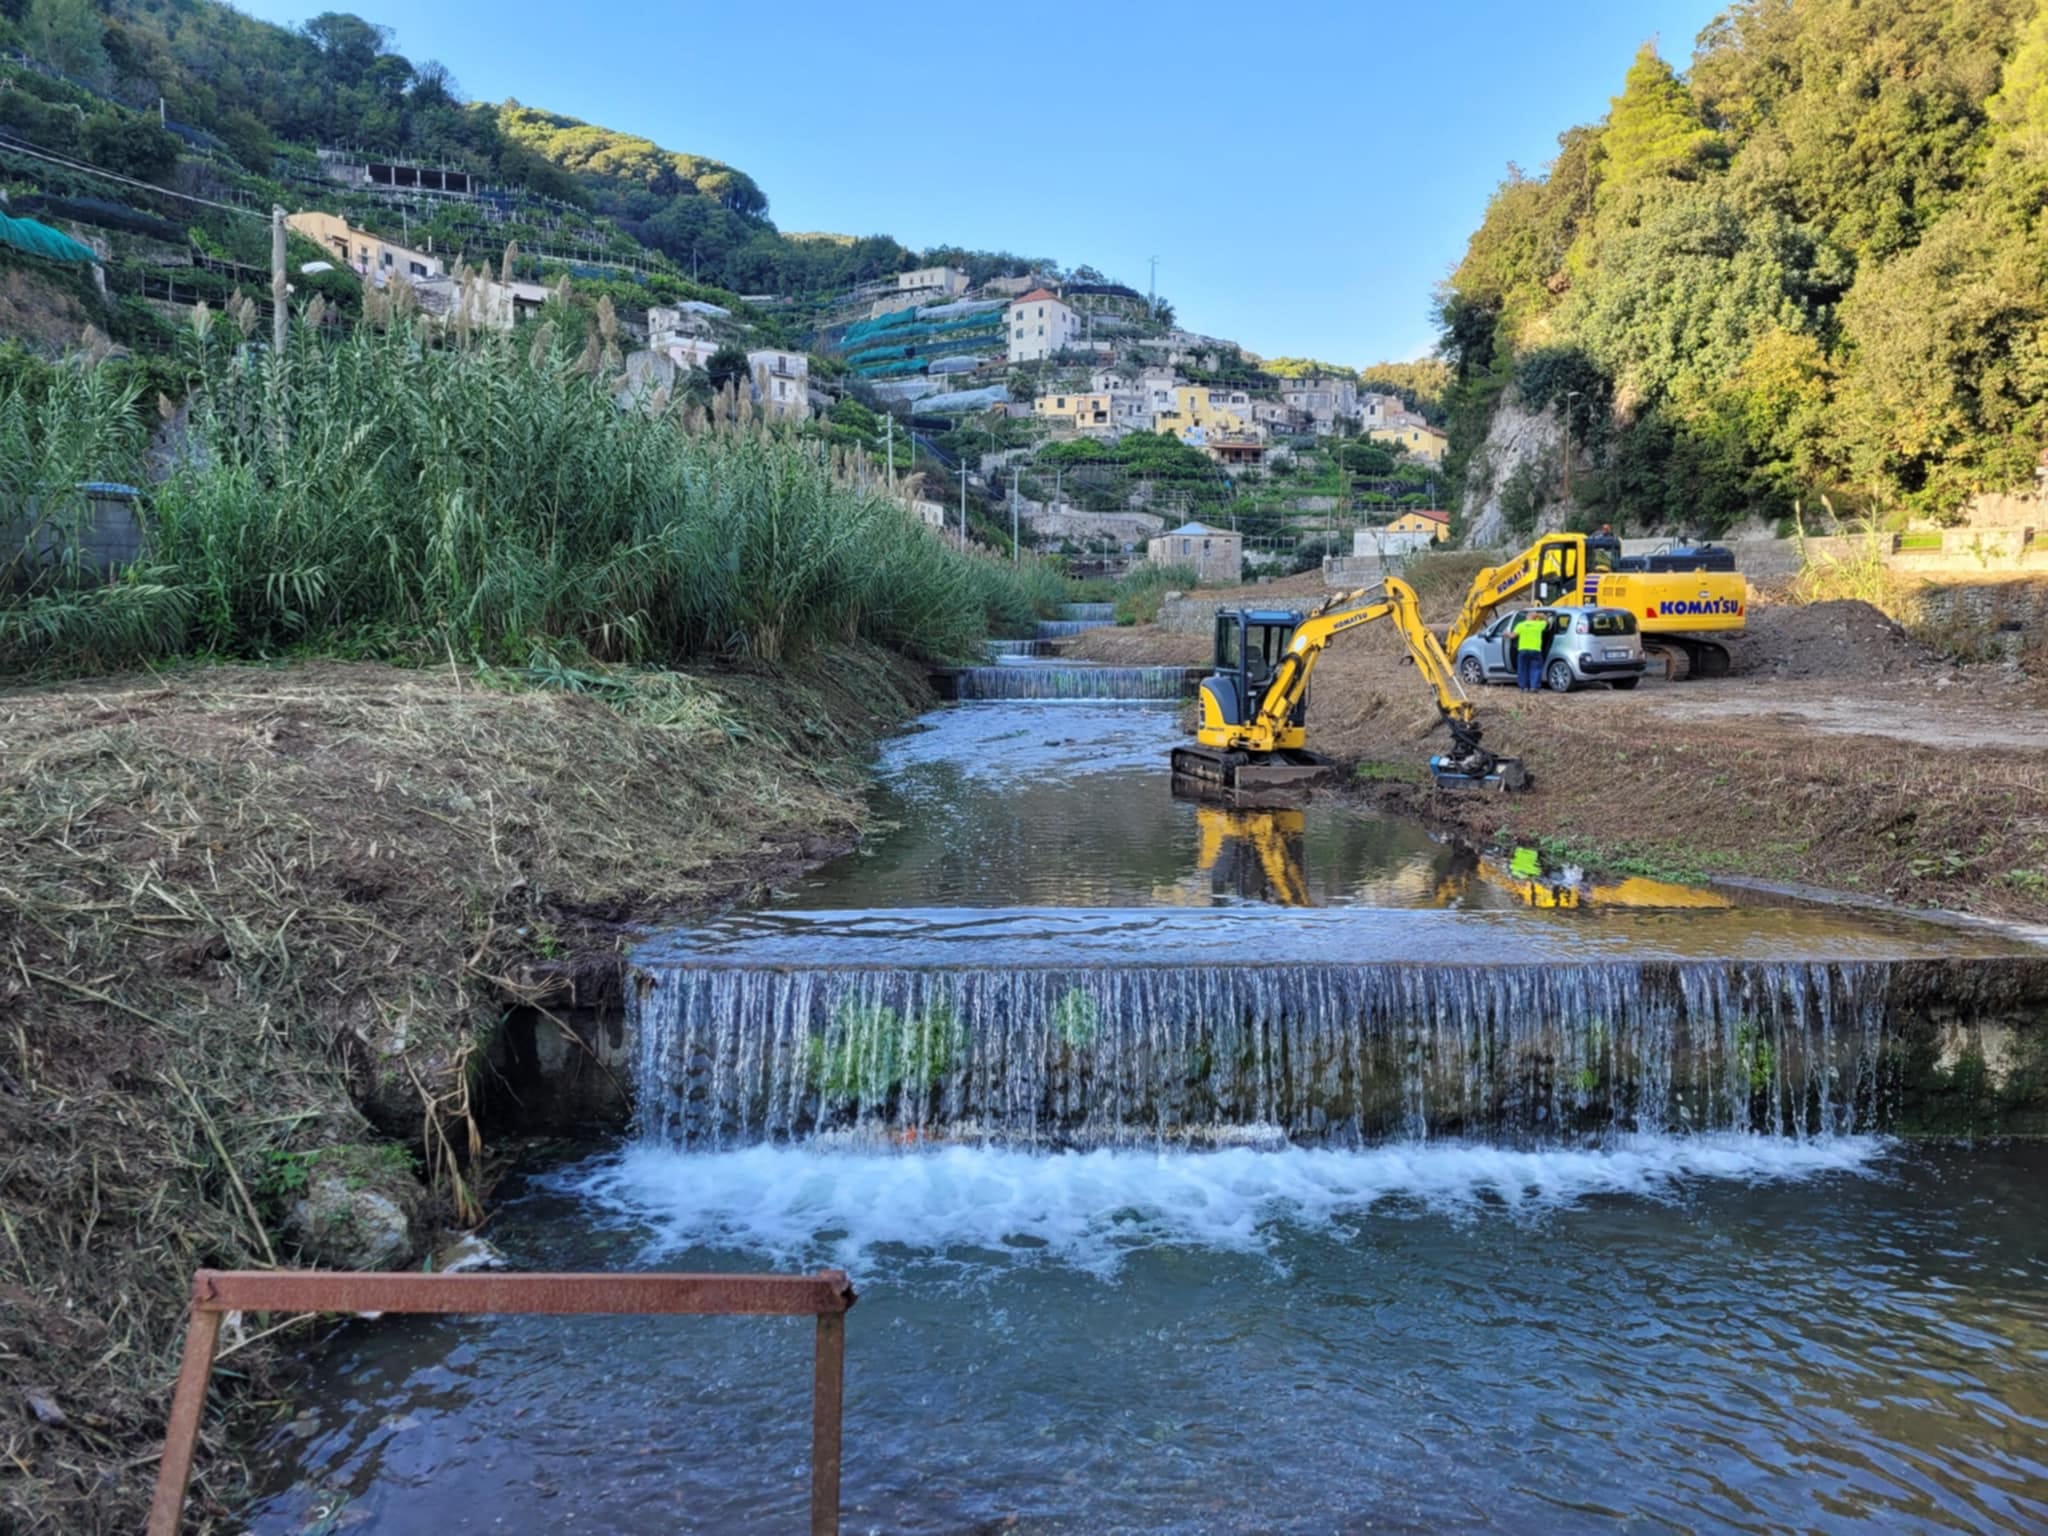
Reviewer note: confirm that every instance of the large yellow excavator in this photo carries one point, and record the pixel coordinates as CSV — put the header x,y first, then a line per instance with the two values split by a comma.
x,y
1685,601
1253,736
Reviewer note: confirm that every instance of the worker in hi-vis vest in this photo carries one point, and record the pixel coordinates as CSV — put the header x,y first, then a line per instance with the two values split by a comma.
x,y
1529,631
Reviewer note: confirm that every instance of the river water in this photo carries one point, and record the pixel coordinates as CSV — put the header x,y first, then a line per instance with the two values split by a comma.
x,y
1462,1203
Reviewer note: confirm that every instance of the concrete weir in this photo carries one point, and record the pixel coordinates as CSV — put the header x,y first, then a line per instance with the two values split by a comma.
x,y
1024,681
784,1026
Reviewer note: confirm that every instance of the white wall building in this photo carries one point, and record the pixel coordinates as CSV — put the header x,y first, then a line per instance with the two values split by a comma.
x,y
782,382
1324,400
1040,325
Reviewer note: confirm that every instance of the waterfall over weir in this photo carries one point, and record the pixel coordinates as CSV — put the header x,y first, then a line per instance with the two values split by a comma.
x,y
1064,629
1055,681
997,649
1320,1053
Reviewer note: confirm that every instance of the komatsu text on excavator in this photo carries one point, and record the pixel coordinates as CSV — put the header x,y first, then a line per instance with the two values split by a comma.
x,y
1253,735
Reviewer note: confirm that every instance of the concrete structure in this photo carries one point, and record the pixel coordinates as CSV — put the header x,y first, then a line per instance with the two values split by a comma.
x,y
1216,554
1237,450
1431,525
1038,325
946,282
1421,440
688,351
782,382
367,255
1323,400
1011,287
1091,414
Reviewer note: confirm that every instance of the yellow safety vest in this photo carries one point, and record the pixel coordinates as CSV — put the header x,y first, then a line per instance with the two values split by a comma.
x,y
1529,635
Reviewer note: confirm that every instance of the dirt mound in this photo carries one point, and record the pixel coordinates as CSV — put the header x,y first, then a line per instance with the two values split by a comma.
x,y
1842,638
1143,645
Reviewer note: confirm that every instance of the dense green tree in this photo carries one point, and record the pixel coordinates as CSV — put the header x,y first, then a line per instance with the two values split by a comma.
x,y
67,35
1654,130
134,146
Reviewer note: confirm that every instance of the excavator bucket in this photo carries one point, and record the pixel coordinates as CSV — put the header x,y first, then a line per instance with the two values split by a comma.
x,y
1478,770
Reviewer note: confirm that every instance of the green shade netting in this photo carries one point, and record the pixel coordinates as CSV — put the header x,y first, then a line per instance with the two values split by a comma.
x,y
41,240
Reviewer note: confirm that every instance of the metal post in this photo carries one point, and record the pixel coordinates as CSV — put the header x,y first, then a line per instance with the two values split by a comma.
x,y
828,1390
278,286
963,501
1016,549
174,1471
892,452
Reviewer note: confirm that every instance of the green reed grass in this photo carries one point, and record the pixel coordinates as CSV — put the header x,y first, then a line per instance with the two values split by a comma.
x,y
381,494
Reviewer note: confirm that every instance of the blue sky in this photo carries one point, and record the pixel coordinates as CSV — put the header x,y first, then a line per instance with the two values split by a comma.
x,y
1305,173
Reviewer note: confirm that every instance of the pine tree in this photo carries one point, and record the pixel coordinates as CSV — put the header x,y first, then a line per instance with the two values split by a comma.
x,y
1654,129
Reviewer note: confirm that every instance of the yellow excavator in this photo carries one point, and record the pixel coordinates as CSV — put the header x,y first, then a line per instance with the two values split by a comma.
x,y
1253,738
1685,600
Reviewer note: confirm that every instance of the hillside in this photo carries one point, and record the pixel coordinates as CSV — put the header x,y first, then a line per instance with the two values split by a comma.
x,y
1813,264
252,99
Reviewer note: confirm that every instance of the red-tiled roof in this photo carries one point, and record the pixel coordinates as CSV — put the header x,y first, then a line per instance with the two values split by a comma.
x,y
1036,293
1434,517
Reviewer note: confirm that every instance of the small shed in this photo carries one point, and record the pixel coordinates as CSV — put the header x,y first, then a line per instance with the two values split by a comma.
x,y
1216,554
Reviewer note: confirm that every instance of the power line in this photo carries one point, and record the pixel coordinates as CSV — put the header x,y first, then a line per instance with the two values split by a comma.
x,y
21,147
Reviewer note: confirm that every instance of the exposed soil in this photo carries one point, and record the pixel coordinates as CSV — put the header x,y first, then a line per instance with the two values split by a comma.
x,y
1842,754
258,924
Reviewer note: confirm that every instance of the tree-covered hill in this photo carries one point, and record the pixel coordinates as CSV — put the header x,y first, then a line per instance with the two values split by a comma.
x,y
249,89
1816,262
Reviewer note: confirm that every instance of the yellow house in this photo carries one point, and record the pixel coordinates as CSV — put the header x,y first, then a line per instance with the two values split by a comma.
x,y
1082,412
1436,524
1195,408
371,257
1425,443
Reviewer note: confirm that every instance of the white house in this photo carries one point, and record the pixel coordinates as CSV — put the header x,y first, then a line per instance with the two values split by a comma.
x,y
1039,325
782,382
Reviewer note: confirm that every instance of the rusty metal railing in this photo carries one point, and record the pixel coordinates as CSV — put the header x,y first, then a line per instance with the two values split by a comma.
x,y
826,1296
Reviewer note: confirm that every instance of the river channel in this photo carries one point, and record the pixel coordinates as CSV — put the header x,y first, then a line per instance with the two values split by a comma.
x,y
1208,1171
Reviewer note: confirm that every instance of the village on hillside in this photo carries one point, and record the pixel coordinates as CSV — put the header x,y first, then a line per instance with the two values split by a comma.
x,y
1024,390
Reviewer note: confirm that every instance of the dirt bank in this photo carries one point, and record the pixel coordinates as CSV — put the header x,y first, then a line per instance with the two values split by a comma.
x,y
256,928
1843,754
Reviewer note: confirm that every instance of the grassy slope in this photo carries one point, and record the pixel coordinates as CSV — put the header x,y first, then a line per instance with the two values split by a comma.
x,y
248,914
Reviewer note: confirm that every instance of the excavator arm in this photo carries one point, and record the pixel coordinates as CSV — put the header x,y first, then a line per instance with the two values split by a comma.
x,y
1555,566
1395,600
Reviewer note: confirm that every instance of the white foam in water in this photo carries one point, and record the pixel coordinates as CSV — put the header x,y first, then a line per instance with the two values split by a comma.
x,y
800,1206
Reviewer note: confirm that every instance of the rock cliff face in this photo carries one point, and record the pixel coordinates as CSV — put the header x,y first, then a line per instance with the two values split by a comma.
x,y
1519,456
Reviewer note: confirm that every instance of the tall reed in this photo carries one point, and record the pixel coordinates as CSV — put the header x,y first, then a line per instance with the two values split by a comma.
x,y
380,493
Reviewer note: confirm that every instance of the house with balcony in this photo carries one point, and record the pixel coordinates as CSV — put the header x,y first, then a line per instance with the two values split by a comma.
x,y
782,382
1416,436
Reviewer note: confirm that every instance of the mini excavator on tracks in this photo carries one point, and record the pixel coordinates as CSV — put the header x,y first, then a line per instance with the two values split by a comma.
x,y
1252,740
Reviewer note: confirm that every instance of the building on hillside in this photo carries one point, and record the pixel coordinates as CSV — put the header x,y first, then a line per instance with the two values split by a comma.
x,y
782,382
369,256
1216,554
1323,399
1012,287
1092,414
1235,450
688,351
1437,525
1421,440
693,317
933,285
1039,325
1195,415
1134,401
1377,410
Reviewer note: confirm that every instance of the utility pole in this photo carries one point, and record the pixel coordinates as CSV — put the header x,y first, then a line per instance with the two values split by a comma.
x,y
1016,549
963,501
1152,286
891,415
278,285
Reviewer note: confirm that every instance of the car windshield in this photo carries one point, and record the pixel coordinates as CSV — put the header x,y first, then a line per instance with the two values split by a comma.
x,y
1612,621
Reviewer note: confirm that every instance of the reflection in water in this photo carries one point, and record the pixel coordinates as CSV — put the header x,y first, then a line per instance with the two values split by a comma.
x,y
1567,887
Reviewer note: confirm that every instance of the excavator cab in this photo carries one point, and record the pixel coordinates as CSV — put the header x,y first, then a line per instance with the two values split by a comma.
x,y
1249,645
1560,570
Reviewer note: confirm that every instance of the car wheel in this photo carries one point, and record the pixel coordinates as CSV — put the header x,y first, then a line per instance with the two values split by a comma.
x,y
1470,673
1559,676
1623,684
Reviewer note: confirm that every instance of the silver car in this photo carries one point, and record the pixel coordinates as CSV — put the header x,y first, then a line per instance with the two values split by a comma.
x,y
1585,645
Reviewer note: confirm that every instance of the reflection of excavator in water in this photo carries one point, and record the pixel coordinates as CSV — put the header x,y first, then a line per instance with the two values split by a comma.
x,y
1255,853
1253,738
1523,876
